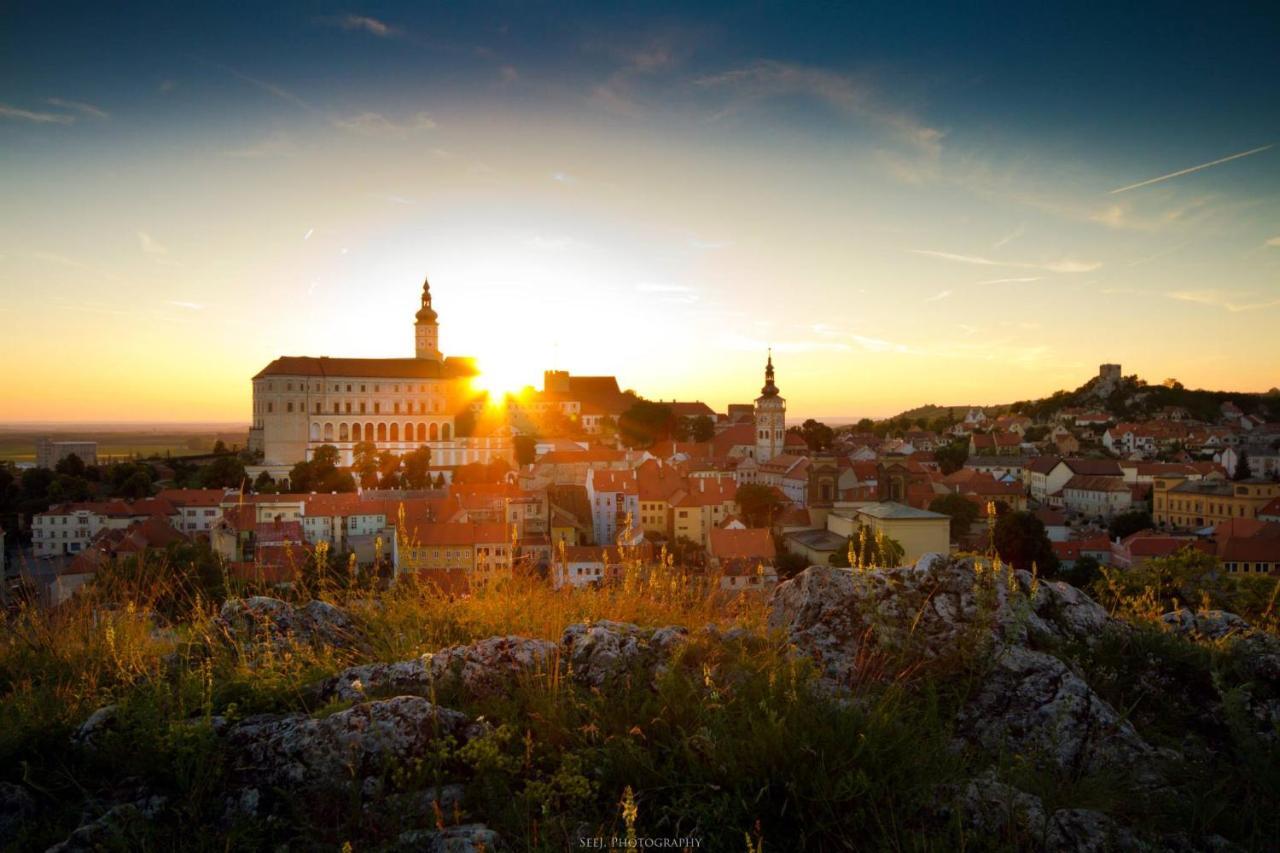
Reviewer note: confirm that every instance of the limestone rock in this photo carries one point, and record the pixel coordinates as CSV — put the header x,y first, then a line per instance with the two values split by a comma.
x,y
482,668
297,752
601,652
466,838
91,731
248,622
16,808
1033,705
1211,624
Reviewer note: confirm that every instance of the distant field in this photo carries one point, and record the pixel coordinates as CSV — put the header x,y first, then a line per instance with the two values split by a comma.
x,y
20,446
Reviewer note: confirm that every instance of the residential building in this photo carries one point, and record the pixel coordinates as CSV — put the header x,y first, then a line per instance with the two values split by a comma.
x,y
49,452
1179,502
918,531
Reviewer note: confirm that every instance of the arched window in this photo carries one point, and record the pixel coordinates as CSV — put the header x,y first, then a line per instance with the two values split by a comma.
x,y
328,432
435,432
382,432
355,432
422,432
368,432
408,432
444,432
395,432
315,432
342,433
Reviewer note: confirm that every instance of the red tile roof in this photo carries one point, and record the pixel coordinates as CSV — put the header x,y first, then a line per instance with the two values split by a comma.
x,y
369,368
750,544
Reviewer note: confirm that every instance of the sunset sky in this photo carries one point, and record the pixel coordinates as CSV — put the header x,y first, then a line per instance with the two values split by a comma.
x,y
910,206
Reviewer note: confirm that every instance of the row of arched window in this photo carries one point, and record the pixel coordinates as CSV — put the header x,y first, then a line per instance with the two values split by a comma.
x,y
381,432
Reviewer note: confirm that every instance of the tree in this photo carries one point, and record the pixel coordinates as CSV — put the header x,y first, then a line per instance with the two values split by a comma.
x,y
816,434
225,472
789,565
364,462
1127,523
264,483
1020,540
864,425
1083,572
525,448
321,474
219,448
137,485
952,457
464,424
645,423
417,468
702,428
71,465
479,472
963,512
1242,471
388,468
757,504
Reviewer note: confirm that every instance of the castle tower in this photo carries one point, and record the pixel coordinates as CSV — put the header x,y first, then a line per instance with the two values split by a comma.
x,y
771,418
427,328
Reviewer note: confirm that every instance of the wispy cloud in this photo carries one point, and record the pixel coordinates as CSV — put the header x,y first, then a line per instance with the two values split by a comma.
x,y
1011,236
276,144
1273,242
361,23
849,94
18,114
1065,265
1188,171
563,178
376,124
938,297
190,306
1125,216
1233,301
78,106
151,245
266,86
1021,280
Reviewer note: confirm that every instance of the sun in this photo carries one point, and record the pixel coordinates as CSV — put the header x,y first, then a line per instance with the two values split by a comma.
x,y
500,379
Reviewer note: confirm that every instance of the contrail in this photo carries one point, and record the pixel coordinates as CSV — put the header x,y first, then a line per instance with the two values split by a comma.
x,y
1188,171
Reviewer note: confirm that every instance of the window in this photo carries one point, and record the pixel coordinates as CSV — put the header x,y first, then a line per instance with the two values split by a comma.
x,y
397,408
317,408
361,389
269,407
335,408
377,408
375,388
289,407
348,387
362,407
348,408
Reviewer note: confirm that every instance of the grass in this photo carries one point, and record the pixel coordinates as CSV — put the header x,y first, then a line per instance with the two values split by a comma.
x,y
20,446
736,743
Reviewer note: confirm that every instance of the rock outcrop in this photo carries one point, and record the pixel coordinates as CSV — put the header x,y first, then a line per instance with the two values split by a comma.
x,y
248,623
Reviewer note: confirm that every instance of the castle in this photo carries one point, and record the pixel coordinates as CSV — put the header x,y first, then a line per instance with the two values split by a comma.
x,y
399,404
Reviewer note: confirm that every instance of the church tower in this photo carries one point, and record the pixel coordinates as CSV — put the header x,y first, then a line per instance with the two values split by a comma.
x,y
771,418
427,328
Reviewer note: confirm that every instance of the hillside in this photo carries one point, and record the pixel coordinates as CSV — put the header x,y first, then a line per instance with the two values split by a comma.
x,y
1130,398
951,705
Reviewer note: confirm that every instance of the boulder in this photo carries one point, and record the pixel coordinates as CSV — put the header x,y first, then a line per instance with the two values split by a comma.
x,y
602,652
16,808
298,752
931,609
1031,704
465,838
250,622
1210,624
89,734
483,668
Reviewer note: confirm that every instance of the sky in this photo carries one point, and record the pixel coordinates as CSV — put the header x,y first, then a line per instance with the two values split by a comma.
x,y
909,203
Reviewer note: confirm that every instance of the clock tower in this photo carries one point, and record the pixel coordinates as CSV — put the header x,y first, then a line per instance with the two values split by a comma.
x,y
771,418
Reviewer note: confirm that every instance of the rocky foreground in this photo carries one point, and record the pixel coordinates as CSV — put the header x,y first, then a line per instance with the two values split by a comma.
x,y
1028,709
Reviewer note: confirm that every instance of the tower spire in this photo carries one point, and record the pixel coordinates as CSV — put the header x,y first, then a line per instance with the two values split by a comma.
x,y
769,389
427,327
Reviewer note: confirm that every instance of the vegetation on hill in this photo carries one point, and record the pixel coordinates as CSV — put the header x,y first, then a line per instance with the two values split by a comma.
x,y
738,741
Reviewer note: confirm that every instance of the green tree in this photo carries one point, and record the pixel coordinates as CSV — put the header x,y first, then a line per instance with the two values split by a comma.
x,y
264,483
1127,523
817,435
1082,573
525,449
219,448
71,465
952,457
1242,471
963,512
417,468
364,462
225,472
864,425
646,422
702,428
789,565
136,485
757,504
1020,540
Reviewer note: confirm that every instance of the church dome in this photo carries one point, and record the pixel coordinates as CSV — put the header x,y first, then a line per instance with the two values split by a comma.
x,y
426,314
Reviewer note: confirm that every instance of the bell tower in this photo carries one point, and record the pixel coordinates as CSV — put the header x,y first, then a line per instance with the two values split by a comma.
x,y
771,418
426,328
